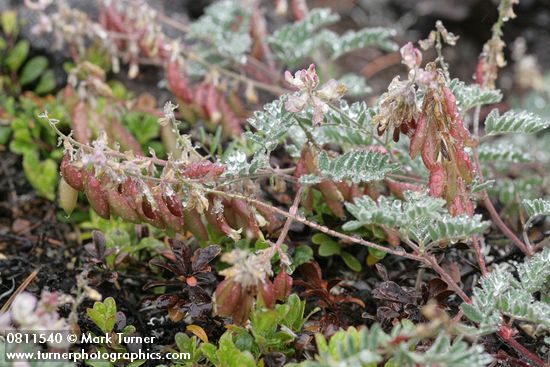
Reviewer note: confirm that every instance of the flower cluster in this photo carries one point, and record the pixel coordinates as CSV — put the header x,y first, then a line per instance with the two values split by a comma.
x,y
29,313
306,82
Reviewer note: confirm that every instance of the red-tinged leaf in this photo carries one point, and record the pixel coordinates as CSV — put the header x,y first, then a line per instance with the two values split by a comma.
x,y
312,274
97,196
203,256
437,180
419,136
283,285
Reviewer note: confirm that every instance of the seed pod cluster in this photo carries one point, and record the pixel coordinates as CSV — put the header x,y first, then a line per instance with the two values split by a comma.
x,y
440,137
205,100
165,211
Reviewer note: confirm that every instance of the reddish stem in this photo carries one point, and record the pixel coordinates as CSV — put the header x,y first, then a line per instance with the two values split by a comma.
x,y
479,256
506,333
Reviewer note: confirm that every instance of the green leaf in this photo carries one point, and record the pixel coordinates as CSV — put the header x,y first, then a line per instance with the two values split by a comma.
x,y
354,40
514,122
327,246
504,153
536,207
356,84
47,83
9,23
470,96
103,314
18,55
42,175
5,133
448,228
472,313
351,261
302,254
33,69
294,42
357,166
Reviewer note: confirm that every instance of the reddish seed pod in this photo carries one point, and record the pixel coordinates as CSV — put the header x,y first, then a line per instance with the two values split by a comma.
x,y
203,169
230,122
399,188
437,180
72,175
247,216
430,150
419,136
283,285
193,223
122,206
125,138
241,313
97,196
171,221
173,204
299,9
81,130
211,104
178,83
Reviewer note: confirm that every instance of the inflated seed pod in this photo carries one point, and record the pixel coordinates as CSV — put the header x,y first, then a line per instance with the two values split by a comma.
x,y
173,204
266,293
72,175
97,196
68,196
193,222
125,138
217,220
419,136
212,103
345,189
273,223
140,204
247,217
122,205
230,122
150,213
178,83
333,197
227,297
81,130
171,221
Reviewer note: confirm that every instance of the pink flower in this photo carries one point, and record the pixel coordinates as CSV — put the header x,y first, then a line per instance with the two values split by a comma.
x,y
304,80
411,56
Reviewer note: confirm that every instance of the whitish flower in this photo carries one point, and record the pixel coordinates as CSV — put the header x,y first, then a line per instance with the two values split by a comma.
x,y
22,309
